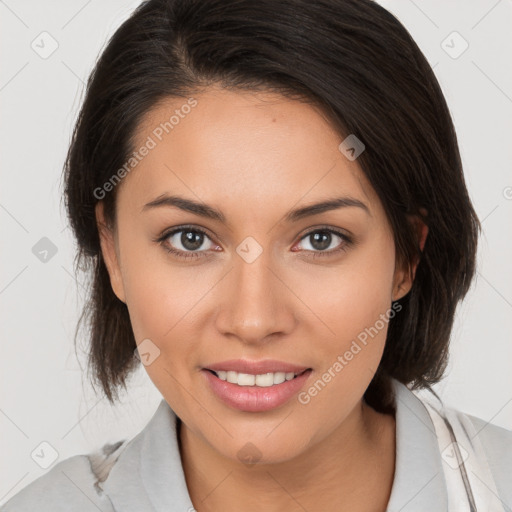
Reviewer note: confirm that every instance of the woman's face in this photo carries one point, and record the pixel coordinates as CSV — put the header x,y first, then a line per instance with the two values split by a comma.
x,y
261,283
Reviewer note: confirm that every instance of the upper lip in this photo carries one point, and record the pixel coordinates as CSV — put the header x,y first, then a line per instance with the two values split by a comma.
x,y
256,367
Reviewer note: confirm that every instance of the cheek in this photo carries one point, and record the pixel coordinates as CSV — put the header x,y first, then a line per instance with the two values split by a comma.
x,y
353,301
360,296
165,301
163,308
162,299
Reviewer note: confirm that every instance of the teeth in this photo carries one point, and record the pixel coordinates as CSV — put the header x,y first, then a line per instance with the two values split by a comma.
x,y
246,379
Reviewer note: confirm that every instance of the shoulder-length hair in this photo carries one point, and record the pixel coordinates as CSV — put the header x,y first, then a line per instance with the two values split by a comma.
x,y
358,64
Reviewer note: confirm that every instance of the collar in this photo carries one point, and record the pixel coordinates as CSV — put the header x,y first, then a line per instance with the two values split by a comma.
x,y
419,484
148,474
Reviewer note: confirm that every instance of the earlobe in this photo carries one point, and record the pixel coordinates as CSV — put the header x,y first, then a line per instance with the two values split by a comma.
x,y
421,235
405,278
109,253
402,285
422,230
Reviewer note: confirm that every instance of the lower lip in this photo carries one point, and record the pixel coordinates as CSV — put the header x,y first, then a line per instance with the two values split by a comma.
x,y
254,398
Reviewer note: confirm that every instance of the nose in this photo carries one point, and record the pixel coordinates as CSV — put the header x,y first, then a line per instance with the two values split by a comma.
x,y
255,302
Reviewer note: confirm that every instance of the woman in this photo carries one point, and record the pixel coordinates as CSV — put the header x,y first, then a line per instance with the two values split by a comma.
x,y
271,199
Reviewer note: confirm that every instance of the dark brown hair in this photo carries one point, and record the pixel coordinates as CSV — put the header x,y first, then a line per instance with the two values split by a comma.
x,y
360,66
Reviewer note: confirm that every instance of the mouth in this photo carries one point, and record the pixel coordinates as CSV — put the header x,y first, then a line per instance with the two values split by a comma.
x,y
255,392
256,380
258,368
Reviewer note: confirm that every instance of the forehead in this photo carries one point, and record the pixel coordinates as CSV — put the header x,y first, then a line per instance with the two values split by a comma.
x,y
247,146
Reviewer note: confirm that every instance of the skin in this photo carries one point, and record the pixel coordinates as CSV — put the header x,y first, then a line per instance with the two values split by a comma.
x,y
254,156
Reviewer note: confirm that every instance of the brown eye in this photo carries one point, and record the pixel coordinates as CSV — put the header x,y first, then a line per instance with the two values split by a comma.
x,y
190,240
185,242
326,242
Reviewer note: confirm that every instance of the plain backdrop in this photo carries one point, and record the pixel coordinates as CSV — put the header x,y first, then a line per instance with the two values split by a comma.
x,y
44,394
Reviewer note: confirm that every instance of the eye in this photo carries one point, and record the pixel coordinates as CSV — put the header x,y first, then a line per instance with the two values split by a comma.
x,y
321,239
189,242
185,241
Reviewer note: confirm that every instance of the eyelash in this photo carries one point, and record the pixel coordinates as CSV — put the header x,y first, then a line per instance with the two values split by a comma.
x,y
347,242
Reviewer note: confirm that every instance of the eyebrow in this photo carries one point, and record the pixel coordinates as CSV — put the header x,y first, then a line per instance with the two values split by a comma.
x,y
209,212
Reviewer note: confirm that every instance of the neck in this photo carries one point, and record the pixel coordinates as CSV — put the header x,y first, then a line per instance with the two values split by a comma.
x,y
332,474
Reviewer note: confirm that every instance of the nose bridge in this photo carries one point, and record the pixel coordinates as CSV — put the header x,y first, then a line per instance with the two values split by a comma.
x,y
254,302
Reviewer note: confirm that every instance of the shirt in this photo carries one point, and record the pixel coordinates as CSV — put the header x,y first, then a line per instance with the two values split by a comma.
x,y
146,473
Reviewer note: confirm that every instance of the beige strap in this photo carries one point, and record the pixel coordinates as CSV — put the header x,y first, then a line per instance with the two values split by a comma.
x,y
469,481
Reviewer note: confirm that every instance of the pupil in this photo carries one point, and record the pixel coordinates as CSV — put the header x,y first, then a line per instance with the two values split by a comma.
x,y
321,240
191,240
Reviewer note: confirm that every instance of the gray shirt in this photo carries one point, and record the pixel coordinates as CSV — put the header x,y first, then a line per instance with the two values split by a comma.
x,y
146,474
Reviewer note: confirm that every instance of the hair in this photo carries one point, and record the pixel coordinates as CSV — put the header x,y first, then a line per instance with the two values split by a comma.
x,y
358,64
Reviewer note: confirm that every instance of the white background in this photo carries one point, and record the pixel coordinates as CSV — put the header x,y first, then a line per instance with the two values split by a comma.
x,y
44,395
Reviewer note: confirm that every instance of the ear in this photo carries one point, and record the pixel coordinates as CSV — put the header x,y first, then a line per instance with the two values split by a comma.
x,y
404,277
109,252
